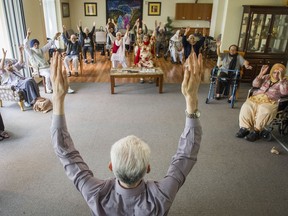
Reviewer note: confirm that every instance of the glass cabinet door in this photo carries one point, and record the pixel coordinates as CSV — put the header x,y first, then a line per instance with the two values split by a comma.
x,y
259,32
279,35
243,31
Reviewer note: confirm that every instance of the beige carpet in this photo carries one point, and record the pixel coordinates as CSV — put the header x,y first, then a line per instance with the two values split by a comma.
x,y
232,176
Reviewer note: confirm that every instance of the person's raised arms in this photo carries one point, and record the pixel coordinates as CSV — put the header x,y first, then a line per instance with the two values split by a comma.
x,y
59,83
191,81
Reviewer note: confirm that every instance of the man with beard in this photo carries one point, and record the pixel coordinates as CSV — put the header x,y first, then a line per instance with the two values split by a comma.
x,y
230,61
37,58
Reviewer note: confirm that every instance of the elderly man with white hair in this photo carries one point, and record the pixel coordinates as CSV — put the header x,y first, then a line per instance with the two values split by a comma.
x,y
128,193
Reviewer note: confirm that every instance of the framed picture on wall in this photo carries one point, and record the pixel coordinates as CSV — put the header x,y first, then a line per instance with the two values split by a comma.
x,y
124,12
90,9
154,8
65,10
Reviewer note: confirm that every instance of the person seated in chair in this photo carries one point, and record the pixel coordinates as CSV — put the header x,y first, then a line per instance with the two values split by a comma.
x,y
176,48
192,42
160,37
111,28
87,41
261,108
10,75
37,58
118,49
145,54
230,61
72,52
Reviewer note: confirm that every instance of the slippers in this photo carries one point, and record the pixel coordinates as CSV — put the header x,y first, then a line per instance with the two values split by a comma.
x,y
4,135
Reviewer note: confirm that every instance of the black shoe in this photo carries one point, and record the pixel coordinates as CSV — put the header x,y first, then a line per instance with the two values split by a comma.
x,y
242,132
69,74
76,74
217,98
253,136
229,101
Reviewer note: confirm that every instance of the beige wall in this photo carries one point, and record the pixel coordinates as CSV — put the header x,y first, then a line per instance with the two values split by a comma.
x,y
36,22
168,9
226,16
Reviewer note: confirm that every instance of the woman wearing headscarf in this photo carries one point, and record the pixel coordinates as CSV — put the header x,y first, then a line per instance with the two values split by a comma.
x,y
261,108
176,48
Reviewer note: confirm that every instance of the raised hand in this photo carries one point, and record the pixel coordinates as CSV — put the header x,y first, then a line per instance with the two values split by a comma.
x,y
191,81
57,35
59,83
187,30
263,71
28,32
4,52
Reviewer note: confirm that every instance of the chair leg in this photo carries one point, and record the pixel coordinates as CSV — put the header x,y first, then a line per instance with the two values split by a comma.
x,y
0,103
21,104
44,84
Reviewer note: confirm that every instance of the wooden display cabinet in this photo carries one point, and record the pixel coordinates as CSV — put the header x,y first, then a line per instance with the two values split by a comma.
x,y
263,37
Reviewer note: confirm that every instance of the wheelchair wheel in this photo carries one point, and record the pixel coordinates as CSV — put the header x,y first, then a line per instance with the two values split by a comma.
x,y
265,134
284,130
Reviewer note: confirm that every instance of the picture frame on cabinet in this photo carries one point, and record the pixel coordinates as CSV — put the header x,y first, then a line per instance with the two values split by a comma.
x,y
65,10
90,9
154,8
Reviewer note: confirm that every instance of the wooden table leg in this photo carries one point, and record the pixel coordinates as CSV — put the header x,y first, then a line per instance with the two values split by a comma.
x,y
161,84
157,81
112,81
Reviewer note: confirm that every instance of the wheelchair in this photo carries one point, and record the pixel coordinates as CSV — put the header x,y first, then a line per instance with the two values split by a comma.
x,y
280,121
233,79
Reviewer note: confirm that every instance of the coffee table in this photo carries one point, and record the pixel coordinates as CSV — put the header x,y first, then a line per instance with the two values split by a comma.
x,y
156,73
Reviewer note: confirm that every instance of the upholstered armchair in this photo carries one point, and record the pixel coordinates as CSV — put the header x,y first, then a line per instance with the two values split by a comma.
x,y
9,93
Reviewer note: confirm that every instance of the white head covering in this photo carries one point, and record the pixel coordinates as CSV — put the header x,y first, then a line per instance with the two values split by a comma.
x,y
176,36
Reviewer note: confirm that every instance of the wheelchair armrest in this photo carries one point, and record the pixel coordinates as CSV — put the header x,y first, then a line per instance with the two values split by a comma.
x,y
251,90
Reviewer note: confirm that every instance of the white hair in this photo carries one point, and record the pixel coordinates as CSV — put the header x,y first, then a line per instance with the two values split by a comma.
x,y
130,159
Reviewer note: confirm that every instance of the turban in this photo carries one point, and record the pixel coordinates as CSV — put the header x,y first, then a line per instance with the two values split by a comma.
x,y
33,41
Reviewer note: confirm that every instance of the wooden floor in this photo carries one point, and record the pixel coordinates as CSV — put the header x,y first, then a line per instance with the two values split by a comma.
x,y
99,71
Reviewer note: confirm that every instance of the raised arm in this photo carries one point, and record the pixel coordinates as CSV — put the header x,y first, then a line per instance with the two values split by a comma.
x,y
64,38
3,59
127,31
191,81
26,43
59,83
218,44
21,49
